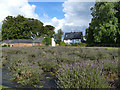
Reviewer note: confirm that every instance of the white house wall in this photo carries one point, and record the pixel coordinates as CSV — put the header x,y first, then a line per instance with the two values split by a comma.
x,y
72,41
68,41
76,40
53,42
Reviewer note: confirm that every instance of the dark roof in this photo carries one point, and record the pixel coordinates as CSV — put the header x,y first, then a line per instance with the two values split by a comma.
x,y
18,41
73,35
38,40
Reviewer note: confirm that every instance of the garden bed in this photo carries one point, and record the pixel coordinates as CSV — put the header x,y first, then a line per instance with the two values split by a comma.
x,y
62,67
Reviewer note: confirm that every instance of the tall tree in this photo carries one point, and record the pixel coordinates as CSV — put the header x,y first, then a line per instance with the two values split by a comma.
x,y
49,30
104,24
0,36
47,41
24,28
117,7
58,36
36,27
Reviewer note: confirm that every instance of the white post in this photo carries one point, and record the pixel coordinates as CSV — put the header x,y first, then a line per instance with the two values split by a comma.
x,y
53,42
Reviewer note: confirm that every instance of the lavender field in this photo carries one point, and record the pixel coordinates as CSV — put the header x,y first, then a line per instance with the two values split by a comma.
x,y
69,67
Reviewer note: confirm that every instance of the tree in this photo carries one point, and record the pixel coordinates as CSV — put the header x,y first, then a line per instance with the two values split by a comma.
x,y
47,40
103,28
24,28
49,30
15,28
117,7
0,36
58,36
36,27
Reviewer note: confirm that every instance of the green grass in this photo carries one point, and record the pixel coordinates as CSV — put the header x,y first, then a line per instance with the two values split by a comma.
x,y
92,47
3,87
106,47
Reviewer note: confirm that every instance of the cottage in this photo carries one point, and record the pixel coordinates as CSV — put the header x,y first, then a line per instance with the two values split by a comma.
x,y
73,37
22,42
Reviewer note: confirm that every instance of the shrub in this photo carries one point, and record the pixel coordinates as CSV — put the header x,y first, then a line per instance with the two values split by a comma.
x,y
80,76
8,45
82,54
47,41
74,44
48,66
4,45
39,60
110,65
79,44
62,43
24,73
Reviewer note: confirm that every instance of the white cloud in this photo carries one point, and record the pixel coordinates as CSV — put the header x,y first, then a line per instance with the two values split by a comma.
x,y
77,16
15,7
58,24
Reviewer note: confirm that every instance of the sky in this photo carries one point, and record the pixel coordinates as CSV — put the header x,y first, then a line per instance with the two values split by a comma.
x,y
68,15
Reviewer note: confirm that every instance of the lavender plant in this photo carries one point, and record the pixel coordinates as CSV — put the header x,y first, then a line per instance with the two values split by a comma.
x,y
81,76
24,73
74,67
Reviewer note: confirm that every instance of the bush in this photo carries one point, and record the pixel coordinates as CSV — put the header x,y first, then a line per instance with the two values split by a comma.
x,y
48,66
79,66
4,45
110,65
62,43
79,44
47,41
24,73
81,76
8,45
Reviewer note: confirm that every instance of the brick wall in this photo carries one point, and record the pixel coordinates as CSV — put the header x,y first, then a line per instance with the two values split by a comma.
x,y
36,44
24,44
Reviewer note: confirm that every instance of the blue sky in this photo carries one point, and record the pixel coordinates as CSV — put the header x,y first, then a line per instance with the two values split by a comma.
x,y
52,9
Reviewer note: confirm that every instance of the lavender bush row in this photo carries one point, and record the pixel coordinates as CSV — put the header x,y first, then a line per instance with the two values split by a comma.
x,y
24,72
81,75
75,67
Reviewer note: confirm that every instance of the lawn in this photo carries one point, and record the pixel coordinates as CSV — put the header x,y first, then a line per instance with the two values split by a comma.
x,y
3,87
71,67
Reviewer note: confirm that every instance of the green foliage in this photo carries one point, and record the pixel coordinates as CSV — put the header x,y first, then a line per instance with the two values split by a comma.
x,y
49,31
48,66
47,41
4,87
4,46
62,43
79,44
0,35
24,73
58,36
104,25
117,7
81,76
24,28
4,61
111,66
